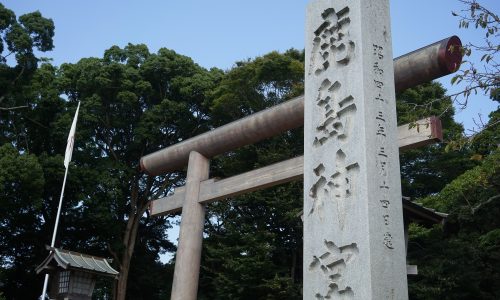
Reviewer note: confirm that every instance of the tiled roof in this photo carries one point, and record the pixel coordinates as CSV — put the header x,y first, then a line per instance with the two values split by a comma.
x,y
73,260
423,215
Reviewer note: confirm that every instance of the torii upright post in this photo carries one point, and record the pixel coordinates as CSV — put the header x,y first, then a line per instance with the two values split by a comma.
x,y
187,261
353,222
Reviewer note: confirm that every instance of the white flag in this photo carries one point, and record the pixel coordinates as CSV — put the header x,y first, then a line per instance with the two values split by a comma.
x,y
71,139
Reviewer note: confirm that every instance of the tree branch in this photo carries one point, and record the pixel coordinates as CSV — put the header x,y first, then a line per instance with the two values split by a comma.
x,y
12,108
491,199
113,253
35,122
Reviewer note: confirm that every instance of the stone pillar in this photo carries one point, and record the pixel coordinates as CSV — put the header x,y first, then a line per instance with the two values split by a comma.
x,y
187,260
354,246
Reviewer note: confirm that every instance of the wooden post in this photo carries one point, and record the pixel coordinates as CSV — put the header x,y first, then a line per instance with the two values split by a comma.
x,y
187,262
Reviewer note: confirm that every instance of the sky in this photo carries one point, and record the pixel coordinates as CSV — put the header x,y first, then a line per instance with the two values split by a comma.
x,y
218,33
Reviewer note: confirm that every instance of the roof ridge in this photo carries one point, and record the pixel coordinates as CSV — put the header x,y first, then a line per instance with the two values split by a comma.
x,y
87,263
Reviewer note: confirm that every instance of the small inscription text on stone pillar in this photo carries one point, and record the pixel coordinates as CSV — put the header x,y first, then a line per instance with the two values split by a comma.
x,y
353,223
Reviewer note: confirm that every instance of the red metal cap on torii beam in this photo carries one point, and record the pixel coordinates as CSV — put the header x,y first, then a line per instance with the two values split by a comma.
x,y
427,63
450,54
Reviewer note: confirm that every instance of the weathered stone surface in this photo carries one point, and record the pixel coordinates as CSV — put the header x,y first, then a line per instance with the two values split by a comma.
x,y
353,223
188,257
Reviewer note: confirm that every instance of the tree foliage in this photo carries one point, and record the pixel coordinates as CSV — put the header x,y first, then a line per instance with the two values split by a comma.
x,y
485,76
482,76
21,188
134,102
461,260
253,248
427,170
253,245
20,37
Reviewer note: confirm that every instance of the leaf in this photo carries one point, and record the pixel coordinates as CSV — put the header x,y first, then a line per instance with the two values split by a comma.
x,y
476,157
490,239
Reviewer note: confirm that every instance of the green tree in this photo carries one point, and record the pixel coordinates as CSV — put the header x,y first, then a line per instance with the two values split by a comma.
x,y
484,77
44,131
253,245
427,170
21,188
461,260
253,248
133,103
480,75
23,178
255,85
20,37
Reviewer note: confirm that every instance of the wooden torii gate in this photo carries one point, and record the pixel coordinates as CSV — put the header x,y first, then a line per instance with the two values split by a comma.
x,y
423,65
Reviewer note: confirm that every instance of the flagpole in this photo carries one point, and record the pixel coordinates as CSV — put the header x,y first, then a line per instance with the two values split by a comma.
x,y
52,244
67,159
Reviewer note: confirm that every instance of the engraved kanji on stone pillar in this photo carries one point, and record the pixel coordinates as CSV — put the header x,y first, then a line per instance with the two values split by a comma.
x,y
332,264
344,184
331,41
337,112
353,223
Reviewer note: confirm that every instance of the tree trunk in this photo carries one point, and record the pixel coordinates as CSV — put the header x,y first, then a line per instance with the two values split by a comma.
x,y
129,245
121,288
138,206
